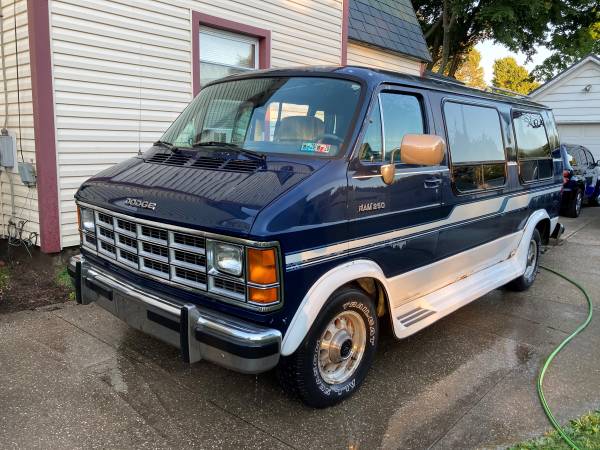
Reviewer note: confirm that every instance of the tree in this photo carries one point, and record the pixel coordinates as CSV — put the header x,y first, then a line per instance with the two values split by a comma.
x,y
575,35
470,71
508,74
453,27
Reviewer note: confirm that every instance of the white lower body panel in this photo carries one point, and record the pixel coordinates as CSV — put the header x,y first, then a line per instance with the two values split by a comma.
x,y
484,268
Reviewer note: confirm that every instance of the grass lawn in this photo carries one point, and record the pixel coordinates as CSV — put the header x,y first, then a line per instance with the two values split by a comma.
x,y
584,432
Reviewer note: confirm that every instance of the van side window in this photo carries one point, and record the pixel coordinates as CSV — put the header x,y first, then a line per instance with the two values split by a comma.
x,y
476,146
533,149
371,148
402,114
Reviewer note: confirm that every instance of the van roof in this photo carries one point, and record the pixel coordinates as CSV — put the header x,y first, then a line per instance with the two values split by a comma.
x,y
377,76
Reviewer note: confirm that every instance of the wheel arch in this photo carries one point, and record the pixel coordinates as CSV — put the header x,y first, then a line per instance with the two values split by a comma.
x,y
544,227
357,272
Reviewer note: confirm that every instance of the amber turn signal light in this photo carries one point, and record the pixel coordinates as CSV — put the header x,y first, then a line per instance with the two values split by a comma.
x,y
262,266
263,295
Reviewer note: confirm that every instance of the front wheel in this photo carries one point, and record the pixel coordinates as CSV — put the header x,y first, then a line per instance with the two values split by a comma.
x,y
334,358
525,281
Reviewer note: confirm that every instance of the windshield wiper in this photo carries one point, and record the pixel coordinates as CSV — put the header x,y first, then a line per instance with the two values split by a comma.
x,y
168,145
244,151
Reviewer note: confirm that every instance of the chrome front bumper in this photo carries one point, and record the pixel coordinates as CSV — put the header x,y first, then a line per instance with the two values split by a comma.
x,y
198,332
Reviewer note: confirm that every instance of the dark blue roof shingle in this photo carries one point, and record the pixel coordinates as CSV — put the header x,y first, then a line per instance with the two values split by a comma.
x,y
388,24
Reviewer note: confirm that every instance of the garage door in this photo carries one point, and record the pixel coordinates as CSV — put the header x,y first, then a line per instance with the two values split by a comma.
x,y
587,134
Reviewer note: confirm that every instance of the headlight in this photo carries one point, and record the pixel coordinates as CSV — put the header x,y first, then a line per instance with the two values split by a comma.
x,y
227,258
87,220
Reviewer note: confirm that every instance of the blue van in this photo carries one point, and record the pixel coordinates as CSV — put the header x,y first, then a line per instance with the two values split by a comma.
x,y
287,215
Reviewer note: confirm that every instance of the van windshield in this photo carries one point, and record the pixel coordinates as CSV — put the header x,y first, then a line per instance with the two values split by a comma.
x,y
293,115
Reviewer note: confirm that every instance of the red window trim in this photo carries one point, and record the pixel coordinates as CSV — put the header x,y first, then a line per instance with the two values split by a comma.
x,y
200,19
42,94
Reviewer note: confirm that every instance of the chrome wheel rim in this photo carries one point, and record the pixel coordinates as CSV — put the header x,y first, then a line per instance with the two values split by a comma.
x,y
531,259
578,202
342,347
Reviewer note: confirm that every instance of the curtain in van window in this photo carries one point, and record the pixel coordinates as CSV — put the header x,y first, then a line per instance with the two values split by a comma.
x,y
533,149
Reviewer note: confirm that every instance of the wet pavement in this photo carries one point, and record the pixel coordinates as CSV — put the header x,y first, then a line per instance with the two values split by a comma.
x,y
75,377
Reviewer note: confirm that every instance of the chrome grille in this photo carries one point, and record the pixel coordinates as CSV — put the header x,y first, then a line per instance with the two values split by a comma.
x,y
176,257
169,255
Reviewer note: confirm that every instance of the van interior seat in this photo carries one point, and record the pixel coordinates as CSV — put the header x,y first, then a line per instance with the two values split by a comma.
x,y
299,128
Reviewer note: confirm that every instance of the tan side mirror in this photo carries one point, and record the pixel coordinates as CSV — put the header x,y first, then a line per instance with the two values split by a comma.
x,y
418,149
422,149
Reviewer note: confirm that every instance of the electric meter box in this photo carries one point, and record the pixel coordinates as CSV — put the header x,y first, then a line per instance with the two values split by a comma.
x,y
8,152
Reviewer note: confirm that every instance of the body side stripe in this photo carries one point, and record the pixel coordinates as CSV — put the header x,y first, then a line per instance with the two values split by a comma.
x,y
461,214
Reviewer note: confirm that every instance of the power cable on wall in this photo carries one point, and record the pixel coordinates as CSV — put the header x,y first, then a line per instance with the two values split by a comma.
x,y
18,83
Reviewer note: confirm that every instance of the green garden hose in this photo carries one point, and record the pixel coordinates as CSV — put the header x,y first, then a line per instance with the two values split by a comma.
x,y
555,352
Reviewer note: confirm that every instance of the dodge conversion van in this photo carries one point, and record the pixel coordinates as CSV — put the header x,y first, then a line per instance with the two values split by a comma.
x,y
287,215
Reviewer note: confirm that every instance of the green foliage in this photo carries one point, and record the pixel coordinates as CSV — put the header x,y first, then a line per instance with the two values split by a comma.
x,y
64,280
470,71
585,433
508,74
518,24
570,28
575,35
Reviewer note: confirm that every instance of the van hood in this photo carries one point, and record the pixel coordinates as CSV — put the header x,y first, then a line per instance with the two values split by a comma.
x,y
216,193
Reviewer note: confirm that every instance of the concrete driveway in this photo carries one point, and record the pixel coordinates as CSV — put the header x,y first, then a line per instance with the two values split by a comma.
x,y
75,377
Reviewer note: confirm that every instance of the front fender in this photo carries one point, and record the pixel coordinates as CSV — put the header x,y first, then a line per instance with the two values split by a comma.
x,y
319,293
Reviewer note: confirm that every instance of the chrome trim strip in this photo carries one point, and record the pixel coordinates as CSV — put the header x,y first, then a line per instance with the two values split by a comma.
x,y
406,173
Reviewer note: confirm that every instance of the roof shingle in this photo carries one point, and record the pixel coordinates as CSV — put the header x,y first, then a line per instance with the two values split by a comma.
x,y
388,24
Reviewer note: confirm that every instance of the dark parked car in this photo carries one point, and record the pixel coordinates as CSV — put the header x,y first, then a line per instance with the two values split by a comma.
x,y
581,179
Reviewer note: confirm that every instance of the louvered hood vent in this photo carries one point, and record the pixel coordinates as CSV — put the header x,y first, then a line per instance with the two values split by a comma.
x,y
205,162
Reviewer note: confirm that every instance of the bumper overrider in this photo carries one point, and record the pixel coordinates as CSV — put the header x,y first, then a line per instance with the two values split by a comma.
x,y
198,332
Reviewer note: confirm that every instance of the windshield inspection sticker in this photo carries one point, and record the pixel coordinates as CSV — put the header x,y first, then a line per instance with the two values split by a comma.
x,y
313,147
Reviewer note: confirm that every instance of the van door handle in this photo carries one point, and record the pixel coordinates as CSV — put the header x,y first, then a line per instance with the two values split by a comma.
x,y
432,183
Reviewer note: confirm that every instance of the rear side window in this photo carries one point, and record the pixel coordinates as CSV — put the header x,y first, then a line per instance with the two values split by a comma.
x,y
533,149
476,146
578,157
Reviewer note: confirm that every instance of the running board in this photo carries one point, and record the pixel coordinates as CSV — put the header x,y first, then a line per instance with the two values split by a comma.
x,y
423,311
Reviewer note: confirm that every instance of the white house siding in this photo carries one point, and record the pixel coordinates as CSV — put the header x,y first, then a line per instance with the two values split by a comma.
x,y
577,111
361,55
116,61
586,134
25,198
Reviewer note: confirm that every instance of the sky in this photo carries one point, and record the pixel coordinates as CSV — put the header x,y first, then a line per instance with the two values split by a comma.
x,y
491,51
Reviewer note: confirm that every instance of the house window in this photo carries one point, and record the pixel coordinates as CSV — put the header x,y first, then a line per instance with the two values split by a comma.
x,y
223,53
476,146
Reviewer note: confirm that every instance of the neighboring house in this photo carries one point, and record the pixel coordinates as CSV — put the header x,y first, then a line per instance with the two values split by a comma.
x,y
99,79
574,96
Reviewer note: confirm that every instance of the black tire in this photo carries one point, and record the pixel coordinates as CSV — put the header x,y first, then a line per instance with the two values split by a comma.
x,y
573,207
300,374
525,281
